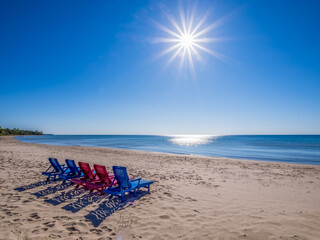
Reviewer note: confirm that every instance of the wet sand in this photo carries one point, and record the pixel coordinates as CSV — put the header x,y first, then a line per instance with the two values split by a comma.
x,y
193,197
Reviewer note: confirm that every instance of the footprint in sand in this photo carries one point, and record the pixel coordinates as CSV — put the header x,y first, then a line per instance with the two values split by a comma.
x,y
33,217
14,198
8,213
54,236
36,231
82,224
168,194
72,229
96,231
191,199
106,228
48,224
61,218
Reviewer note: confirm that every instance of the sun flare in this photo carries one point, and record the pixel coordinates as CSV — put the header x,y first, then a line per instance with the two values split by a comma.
x,y
187,38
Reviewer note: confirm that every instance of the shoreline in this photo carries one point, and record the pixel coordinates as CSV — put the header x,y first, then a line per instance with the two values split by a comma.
x,y
174,154
193,197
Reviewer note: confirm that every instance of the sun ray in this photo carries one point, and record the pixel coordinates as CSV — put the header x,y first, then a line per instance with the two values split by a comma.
x,y
174,23
190,60
190,23
174,56
183,19
196,53
214,25
167,51
211,52
165,29
203,19
166,40
207,40
182,58
207,29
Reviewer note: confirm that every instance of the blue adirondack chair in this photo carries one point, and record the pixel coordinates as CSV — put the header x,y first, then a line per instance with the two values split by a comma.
x,y
73,172
125,184
55,169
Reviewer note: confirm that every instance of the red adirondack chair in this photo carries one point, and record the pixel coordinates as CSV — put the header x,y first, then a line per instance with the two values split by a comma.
x,y
105,179
89,175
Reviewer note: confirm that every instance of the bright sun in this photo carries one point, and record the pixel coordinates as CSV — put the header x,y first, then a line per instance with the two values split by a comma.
x,y
187,38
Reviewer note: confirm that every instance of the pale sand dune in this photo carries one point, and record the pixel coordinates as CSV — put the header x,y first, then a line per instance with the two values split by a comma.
x,y
193,197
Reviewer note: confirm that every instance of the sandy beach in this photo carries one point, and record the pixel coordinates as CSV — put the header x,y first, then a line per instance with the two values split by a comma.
x,y
193,197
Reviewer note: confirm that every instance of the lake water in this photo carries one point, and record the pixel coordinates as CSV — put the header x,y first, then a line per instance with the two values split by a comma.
x,y
303,149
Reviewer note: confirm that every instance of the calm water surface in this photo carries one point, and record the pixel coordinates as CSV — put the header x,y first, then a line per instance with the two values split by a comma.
x,y
303,149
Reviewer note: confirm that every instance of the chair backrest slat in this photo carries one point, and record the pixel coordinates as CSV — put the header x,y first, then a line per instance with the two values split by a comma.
x,y
85,168
55,164
72,166
102,173
121,176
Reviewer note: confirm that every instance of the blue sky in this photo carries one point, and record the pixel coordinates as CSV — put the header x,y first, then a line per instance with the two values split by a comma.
x,y
90,67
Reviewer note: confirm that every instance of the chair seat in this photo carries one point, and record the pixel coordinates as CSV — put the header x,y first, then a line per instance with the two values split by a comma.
x,y
50,173
144,183
96,186
77,181
134,185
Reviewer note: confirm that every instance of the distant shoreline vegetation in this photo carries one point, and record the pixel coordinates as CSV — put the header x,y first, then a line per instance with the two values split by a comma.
x,y
17,131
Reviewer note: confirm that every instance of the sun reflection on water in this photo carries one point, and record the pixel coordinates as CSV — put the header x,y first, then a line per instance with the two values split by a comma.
x,y
191,140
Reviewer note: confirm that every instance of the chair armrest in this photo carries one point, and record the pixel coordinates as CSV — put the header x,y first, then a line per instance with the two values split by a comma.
x,y
115,189
49,168
136,179
64,168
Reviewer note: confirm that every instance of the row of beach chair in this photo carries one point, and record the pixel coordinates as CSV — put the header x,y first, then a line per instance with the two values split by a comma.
x,y
98,178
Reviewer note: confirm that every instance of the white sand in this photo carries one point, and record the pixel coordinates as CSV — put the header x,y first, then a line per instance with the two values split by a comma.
x,y
193,197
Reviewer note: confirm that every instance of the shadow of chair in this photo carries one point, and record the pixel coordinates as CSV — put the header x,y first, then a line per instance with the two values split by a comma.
x,y
66,196
34,185
52,190
84,201
111,205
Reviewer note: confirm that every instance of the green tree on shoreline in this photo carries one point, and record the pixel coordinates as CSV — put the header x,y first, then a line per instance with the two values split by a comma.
x,y
17,131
